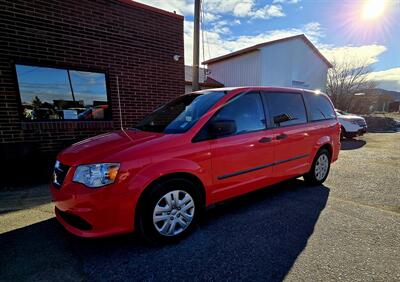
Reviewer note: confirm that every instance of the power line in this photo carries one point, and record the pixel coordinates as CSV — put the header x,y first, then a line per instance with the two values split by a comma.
x,y
206,41
204,35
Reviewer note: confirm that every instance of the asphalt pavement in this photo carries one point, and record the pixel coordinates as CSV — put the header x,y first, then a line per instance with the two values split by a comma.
x,y
347,229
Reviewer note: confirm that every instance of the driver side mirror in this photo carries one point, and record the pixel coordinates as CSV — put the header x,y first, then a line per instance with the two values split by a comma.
x,y
221,128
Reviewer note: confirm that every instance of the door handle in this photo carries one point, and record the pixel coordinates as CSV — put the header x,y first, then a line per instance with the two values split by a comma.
x,y
265,140
281,136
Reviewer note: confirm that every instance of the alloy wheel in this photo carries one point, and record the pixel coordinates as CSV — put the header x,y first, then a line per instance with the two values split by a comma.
x,y
321,167
173,213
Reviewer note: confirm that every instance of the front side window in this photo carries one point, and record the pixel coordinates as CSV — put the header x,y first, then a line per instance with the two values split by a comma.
x,y
181,114
286,108
62,94
319,107
246,110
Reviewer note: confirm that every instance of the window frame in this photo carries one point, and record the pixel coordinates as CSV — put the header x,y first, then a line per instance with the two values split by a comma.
x,y
265,93
308,107
59,67
251,92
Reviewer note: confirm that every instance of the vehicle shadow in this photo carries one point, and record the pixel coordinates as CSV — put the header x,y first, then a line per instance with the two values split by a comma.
x,y
352,144
256,236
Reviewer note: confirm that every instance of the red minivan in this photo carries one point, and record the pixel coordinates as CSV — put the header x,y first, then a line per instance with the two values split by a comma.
x,y
198,149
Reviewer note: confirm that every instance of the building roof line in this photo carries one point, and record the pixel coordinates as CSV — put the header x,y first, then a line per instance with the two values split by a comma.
x,y
151,8
257,46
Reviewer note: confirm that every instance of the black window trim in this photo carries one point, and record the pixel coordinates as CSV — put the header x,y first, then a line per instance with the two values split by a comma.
x,y
27,62
265,93
267,123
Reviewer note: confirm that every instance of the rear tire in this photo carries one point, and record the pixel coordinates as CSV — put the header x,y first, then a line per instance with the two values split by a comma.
x,y
169,211
320,168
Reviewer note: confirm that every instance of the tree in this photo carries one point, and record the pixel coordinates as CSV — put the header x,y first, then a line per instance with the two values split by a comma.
x,y
36,102
346,78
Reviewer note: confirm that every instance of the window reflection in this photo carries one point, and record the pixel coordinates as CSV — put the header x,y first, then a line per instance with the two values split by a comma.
x,y
62,94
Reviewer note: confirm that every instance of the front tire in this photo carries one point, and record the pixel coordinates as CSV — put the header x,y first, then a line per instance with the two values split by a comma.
x,y
169,211
342,133
320,168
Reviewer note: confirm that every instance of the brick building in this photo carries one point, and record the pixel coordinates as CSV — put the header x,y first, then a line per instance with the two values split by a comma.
x,y
59,62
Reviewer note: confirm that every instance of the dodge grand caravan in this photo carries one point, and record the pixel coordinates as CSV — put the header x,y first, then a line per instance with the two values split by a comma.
x,y
199,149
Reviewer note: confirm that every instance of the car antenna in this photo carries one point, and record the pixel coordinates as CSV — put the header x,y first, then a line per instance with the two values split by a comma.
x,y
119,105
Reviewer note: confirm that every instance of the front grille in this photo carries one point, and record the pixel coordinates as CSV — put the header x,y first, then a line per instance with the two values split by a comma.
x,y
361,122
74,220
59,174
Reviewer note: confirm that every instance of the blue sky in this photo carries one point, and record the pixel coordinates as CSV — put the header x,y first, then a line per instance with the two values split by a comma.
x,y
34,81
338,28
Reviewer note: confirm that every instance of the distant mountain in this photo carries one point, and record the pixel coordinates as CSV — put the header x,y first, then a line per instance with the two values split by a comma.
x,y
394,94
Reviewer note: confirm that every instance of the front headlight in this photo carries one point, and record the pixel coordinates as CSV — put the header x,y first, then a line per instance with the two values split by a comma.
x,y
96,175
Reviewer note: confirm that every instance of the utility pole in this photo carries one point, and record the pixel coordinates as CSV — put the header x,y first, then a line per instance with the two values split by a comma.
x,y
196,40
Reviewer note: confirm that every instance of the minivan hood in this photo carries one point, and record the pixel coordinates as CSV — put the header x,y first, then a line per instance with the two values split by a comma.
x,y
98,148
350,117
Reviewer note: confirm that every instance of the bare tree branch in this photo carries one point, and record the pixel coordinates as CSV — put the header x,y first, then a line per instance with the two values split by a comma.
x,y
346,78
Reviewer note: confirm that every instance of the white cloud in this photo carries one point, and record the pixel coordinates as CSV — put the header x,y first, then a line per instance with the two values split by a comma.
x,y
182,7
221,27
243,9
285,1
363,54
387,79
211,17
215,8
248,9
219,45
225,6
268,11
369,54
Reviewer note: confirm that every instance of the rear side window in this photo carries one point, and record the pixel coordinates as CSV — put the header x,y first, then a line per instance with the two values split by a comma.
x,y
319,107
290,105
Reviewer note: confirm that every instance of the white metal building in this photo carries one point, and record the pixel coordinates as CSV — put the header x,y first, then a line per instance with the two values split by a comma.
x,y
290,62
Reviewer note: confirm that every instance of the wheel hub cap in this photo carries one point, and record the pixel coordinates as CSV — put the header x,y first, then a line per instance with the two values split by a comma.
x,y
173,213
321,167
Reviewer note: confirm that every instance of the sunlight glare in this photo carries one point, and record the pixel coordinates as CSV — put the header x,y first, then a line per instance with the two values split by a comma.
x,y
373,9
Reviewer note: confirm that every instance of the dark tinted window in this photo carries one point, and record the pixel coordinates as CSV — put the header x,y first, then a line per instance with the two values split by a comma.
x,y
181,114
289,104
319,107
247,112
62,94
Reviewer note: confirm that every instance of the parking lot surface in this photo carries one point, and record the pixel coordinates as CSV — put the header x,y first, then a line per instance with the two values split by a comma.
x,y
348,229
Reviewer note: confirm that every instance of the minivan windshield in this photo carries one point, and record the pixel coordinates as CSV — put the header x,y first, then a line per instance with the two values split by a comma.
x,y
181,114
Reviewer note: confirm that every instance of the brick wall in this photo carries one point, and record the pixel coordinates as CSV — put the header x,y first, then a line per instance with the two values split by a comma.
x,y
122,38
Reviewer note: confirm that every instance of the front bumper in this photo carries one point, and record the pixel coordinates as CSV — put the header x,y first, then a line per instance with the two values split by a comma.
x,y
359,132
87,212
